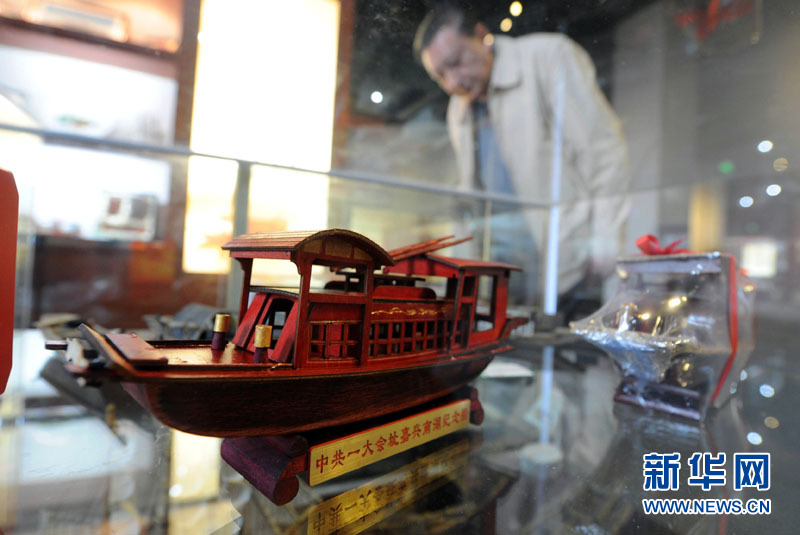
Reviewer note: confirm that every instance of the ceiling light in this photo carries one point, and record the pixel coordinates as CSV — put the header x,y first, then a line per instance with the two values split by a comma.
x,y
505,24
746,201
754,438
515,8
376,97
773,190
765,146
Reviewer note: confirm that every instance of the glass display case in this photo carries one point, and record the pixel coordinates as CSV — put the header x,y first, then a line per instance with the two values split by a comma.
x,y
144,135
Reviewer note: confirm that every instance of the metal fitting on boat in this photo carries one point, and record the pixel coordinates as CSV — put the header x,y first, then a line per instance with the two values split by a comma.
x,y
263,339
221,323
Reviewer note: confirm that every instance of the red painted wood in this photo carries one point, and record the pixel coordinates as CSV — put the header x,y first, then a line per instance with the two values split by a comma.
x,y
267,468
247,271
9,212
418,246
403,292
341,357
137,351
247,323
425,247
295,241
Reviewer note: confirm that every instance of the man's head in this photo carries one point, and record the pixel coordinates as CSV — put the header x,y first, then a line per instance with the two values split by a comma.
x,y
450,45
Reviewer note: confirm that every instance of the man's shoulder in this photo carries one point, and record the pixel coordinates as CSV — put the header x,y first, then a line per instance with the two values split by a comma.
x,y
538,43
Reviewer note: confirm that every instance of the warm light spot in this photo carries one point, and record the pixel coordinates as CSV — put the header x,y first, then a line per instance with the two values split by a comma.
x,y
774,190
515,8
505,24
645,316
780,164
772,422
760,258
686,366
765,146
674,302
488,39
288,125
746,201
376,97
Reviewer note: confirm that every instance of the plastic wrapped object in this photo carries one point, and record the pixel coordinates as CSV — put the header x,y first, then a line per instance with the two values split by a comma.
x,y
681,328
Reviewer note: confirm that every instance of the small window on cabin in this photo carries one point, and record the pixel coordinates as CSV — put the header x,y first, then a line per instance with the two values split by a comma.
x,y
469,287
452,288
354,332
486,305
383,331
317,332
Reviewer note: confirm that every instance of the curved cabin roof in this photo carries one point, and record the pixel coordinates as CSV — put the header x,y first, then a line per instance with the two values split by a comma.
x,y
338,243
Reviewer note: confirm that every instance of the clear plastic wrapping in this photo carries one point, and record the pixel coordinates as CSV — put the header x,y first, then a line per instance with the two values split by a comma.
x,y
680,327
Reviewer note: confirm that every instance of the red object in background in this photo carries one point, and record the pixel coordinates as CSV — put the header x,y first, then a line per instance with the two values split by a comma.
x,y
705,21
650,245
9,210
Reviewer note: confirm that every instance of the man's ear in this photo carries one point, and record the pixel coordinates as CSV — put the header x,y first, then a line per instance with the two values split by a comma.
x,y
481,30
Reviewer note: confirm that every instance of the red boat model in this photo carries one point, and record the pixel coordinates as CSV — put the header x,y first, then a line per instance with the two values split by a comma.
x,y
371,342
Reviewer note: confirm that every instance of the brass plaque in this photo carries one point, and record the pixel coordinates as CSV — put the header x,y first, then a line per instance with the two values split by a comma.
x,y
356,510
344,455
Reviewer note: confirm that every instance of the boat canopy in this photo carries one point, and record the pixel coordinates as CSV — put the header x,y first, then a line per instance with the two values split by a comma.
x,y
445,266
341,244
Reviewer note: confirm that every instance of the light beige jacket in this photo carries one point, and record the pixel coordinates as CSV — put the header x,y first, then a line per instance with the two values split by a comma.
x,y
535,80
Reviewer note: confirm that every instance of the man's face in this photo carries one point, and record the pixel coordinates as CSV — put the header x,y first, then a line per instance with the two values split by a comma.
x,y
460,64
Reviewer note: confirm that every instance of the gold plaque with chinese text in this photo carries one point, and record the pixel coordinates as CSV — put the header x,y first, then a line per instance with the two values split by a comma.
x,y
337,457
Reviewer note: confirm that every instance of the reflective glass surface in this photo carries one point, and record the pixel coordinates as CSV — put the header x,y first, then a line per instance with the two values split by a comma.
x,y
145,134
554,454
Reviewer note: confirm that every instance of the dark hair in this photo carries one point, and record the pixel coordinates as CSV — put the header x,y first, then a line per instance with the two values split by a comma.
x,y
445,14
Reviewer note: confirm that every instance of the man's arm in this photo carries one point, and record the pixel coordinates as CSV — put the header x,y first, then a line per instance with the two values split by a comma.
x,y
594,142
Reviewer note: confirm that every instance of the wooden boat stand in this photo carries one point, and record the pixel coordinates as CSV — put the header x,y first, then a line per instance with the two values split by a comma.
x,y
273,464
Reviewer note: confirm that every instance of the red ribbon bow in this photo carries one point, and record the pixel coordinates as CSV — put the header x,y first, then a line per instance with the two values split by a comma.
x,y
649,245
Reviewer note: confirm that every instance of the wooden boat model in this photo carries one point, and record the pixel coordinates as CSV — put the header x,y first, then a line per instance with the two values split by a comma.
x,y
371,342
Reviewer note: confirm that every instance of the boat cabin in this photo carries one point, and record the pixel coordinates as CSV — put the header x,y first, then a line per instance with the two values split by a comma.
x,y
374,313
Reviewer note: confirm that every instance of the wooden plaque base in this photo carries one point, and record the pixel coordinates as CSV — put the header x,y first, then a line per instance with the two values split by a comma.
x,y
667,398
272,464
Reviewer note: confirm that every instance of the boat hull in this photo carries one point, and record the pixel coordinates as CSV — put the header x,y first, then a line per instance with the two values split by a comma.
x,y
292,404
